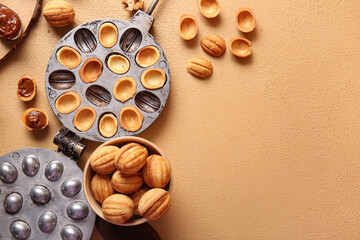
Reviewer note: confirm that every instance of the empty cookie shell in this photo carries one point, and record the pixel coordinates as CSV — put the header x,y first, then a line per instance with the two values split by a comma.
x,y
68,102
108,35
108,125
68,57
91,70
147,56
118,64
35,119
188,27
124,89
130,118
153,78
209,8
245,19
240,47
26,88
84,118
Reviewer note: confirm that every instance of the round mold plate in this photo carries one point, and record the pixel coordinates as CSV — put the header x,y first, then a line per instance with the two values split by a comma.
x,y
107,79
31,213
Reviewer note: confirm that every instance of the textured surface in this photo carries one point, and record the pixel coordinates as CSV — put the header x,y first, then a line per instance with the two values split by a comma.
x,y
266,148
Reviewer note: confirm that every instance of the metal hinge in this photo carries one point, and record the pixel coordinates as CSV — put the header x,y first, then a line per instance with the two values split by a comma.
x,y
69,144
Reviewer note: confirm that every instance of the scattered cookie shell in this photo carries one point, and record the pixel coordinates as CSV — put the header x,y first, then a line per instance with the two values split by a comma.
x,y
130,118
245,19
84,118
68,102
153,78
91,70
26,89
108,125
209,8
240,47
35,119
188,27
213,45
200,67
147,56
108,35
68,57
118,64
124,89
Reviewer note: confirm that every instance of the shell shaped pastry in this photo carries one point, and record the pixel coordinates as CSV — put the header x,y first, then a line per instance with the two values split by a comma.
x,y
209,8
188,27
124,89
68,102
130,118
240,47
84,118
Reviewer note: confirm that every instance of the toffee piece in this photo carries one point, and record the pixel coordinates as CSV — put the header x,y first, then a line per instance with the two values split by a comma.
x,y
35,119
26,89
10,24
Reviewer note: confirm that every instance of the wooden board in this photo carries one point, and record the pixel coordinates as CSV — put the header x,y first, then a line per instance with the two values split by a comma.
x,y
29,12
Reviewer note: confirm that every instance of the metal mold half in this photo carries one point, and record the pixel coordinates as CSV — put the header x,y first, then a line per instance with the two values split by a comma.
x,y
22,218
132,37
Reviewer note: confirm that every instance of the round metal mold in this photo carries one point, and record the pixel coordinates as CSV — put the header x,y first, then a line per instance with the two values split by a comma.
x,y
8,173
71,187
71,232
30,165
77,210
40,194
20,230
13,203
54,170
49,220
132,37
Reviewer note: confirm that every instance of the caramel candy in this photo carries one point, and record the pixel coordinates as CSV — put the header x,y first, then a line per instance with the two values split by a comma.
x,y
126,183
101,187
118,208
136,196
213,45
59,13
154,203
131,158
102,160
200,67
26,90
35,119
156,171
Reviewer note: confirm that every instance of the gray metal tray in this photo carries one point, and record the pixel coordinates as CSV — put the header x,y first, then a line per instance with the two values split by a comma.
x,y
141,21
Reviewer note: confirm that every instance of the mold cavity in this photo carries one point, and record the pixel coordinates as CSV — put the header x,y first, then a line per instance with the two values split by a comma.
x,y
62,79
130,40
85,40
153,78
117,63
124,89
108,35
188,27
84,118
68,57
147,56
91,70
147,101
98,95
68,102
108,125
130,118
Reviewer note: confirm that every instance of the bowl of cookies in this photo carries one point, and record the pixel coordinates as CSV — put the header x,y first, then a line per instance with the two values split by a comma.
x,y
127,181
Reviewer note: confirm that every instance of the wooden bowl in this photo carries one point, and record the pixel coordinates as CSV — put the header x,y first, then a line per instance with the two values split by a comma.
x,y
89,173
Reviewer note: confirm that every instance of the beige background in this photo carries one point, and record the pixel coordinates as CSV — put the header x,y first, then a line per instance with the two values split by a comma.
x,y
266,148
